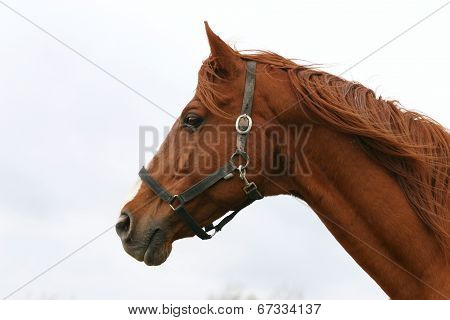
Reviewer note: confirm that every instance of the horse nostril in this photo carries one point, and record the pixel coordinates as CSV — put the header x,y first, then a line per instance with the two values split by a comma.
x,y
123,225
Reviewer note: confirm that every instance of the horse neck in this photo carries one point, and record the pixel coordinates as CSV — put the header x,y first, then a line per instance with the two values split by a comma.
x,y
366,210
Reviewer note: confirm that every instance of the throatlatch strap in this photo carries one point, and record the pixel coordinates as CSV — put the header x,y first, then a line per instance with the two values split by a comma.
x,y
251,196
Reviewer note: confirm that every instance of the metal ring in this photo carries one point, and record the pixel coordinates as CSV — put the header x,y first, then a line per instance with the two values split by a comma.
x,y
249,126
244,155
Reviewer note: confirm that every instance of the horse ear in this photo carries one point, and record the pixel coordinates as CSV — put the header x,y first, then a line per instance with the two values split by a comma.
x,y
225,57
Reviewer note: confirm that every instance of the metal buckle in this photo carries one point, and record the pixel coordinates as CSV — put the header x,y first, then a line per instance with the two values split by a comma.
x,y
249,124
249,187
172,200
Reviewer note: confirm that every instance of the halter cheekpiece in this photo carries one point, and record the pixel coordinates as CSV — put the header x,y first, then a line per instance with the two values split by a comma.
x,y
177,202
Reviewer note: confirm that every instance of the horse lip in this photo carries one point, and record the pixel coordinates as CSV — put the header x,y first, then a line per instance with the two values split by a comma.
x,y
151,246
152,236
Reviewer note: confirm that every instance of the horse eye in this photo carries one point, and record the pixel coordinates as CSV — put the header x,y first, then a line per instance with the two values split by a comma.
x,y
192,121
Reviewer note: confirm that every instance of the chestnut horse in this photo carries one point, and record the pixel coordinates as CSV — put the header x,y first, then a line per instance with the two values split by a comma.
x,y
376,175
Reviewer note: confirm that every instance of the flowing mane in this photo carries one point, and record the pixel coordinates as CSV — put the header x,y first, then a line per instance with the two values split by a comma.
x,y
412,147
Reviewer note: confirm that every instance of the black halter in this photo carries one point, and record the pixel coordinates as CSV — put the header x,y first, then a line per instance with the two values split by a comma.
x,y
243,127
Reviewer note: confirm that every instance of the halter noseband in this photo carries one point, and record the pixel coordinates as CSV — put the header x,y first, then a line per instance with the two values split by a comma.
x,y
177,201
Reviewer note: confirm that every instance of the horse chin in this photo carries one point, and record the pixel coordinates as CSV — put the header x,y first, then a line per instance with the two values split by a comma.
x,y
158,250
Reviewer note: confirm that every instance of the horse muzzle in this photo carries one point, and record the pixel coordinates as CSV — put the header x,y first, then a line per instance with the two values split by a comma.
x,y
150,246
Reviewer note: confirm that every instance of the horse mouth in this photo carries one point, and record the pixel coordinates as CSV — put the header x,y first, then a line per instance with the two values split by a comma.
x,y
158,249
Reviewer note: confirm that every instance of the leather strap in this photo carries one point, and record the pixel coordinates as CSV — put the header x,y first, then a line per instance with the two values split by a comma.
x,y
252,194
154,185
250,76
192,224
247,102
206,183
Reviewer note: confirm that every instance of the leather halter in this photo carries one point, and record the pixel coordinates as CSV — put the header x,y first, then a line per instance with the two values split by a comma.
x,y
177,202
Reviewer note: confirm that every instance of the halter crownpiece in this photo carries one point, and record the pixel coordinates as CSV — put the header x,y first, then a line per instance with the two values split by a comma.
x,y
243,127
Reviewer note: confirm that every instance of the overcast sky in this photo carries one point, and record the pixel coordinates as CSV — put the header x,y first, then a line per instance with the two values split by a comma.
x,y
69,138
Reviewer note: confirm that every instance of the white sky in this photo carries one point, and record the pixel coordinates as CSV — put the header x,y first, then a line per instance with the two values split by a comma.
x,y
69,138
